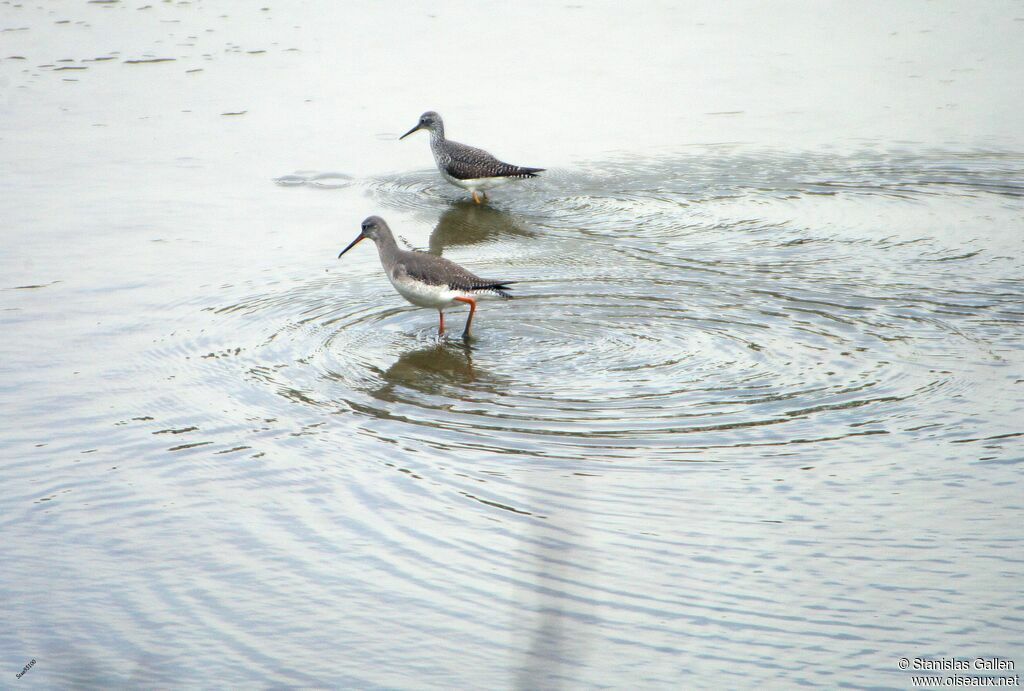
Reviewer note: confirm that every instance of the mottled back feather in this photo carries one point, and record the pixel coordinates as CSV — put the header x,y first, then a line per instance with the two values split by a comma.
x,y
465,162
439,271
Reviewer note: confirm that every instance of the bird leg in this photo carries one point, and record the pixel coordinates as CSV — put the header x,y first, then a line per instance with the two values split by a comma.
x,y
472,310
440,329
476,196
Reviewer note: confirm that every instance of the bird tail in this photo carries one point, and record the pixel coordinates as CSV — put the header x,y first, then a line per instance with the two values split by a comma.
x,y
499,288
530,172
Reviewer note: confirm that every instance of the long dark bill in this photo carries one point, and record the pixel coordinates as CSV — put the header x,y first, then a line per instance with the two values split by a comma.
x,y
409,132
351,245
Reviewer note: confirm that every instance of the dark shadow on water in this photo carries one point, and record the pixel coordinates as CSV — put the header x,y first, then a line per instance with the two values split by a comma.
x,y
542,664
555,649
467,223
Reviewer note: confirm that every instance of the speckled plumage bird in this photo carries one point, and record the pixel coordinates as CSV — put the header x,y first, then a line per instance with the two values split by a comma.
x,y
426,280
466,166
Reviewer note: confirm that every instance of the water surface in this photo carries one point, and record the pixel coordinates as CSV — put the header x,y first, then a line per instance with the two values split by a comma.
x,y
753,418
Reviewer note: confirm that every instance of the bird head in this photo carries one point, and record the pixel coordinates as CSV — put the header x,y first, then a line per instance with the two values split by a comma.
x,y
373,227
430,121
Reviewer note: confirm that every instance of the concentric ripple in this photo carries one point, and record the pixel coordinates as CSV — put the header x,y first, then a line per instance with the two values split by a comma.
x,y
638,367
662,315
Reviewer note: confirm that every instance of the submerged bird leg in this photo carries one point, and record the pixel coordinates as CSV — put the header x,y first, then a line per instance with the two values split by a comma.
x,y
472,310
476,196
484,195
440,329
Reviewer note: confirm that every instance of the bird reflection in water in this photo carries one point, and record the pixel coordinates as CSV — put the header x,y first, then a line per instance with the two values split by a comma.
x,y
466,223
431,370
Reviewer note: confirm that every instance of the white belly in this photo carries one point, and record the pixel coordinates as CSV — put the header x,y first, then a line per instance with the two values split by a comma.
x,y
473,184
423,295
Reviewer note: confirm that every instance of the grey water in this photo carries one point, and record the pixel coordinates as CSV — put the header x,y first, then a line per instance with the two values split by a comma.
x,y
754,417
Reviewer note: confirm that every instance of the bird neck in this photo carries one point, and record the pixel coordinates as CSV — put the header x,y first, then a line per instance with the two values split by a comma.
x,y
437,133
386,246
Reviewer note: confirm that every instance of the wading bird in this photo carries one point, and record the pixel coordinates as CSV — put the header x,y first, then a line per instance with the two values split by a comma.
x,y
466,166
426,280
